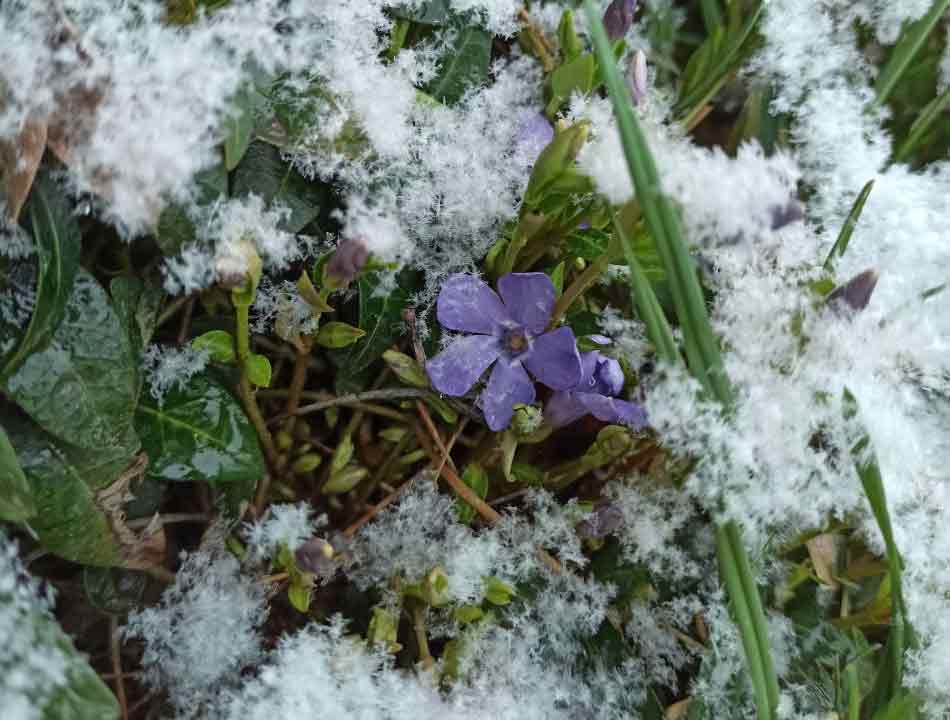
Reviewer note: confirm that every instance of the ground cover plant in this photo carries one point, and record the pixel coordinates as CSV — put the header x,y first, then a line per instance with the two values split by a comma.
x,y
474,359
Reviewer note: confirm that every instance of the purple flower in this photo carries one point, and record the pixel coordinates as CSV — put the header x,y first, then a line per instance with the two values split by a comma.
x,y
533,136
509,329
618,17
600,383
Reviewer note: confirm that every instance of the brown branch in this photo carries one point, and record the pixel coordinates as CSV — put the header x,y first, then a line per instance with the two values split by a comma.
x,y
353,399
352,529
115,650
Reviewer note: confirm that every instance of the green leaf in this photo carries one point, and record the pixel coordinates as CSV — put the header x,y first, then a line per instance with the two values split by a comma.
x,y
79,693
464,66
430,12
338,335
344,480
16,498
258,370
56,238
928,117
498,592
406,369
912,40
175,227
65,480
589,243
83,387
577,75
477,479
219,344
201,434
262,172
240,125
137,306
299,595
381,305
114,590
571,46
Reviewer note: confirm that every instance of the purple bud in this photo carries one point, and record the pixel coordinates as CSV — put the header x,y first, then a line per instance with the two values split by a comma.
x,y
618,17
317,557
347,261
787,214
854,294
604,520
637,79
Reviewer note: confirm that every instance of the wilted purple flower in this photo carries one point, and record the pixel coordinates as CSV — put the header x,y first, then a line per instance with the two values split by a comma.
x,y
637,79
618,17
347,261
316,556
604,520
855,294
783,215
509,329
533,136
600,383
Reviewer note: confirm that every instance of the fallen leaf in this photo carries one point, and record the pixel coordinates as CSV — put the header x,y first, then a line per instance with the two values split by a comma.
x,y
19,160
823,551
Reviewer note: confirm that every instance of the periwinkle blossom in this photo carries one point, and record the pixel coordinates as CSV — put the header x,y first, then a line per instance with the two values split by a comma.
x,y
595,394
509,329
535,133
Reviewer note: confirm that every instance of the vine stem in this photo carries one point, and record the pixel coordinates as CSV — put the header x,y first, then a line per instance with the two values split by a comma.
x,y
115,649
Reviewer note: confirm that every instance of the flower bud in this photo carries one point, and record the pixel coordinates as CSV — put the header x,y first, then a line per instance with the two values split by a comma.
x,y
618,17
604,520
787,214
316,556
637,79
854,294
526,419
346,263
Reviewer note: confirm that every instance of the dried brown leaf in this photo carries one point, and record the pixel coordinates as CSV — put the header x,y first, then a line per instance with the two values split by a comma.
x,y
19,160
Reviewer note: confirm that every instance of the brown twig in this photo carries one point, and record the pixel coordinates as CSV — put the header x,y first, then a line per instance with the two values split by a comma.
x,y
115,650
186,320
436,436
297,382
376,509
353,399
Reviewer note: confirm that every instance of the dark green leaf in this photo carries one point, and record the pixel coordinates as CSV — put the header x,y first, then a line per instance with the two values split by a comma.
x,y
56,238
83,387
380,317
240,125
175,227
114,590
912,40
16,498
431,12
65,480
477,479
137,306
201,434
589,244
263,173
464,66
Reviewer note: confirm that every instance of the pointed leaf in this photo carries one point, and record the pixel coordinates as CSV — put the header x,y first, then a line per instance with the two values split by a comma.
x,y
16,498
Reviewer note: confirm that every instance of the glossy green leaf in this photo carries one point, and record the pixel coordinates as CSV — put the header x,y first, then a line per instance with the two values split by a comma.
x,y
258,370
201,434
65,480
175,227
16,498
83,387
429,12
57,240
464,66
240,125
381,306
338,335
219,344
137,306
262,172
77,693
114,590
477,479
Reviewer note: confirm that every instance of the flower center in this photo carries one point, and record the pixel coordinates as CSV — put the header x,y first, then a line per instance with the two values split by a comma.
x,y
515,341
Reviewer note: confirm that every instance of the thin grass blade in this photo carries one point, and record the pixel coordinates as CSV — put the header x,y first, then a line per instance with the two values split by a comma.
x,y
905,51
844,237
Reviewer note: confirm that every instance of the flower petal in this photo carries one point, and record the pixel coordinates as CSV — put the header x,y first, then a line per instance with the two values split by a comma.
x,y
609,376
509,384
554,359
454,370
563,408
529,299
466,303
613,410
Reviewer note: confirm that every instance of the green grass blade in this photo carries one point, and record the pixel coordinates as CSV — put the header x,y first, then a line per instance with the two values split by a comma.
x,y
844,237
702,352
729,571
932,112
712,14
658,329
888,683
906,49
